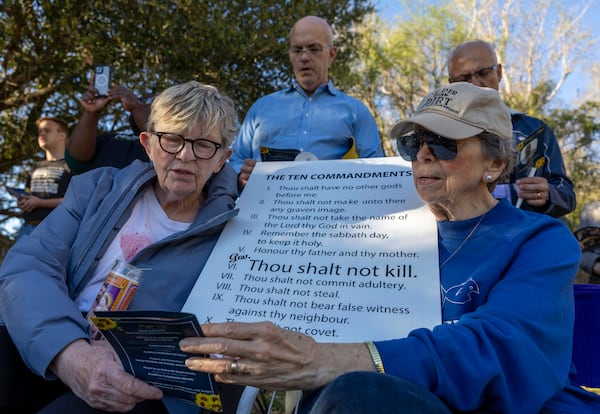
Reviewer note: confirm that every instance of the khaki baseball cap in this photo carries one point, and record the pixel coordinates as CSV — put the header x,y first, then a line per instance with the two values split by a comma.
x,y
458,111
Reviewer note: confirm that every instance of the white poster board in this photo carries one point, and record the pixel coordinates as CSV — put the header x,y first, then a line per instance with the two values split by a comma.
x,y
340,250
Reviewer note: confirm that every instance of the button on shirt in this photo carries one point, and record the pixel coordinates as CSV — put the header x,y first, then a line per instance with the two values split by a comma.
x,y
323,124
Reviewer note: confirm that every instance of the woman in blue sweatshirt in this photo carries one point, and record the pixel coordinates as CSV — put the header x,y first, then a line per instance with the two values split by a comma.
x,y
506,289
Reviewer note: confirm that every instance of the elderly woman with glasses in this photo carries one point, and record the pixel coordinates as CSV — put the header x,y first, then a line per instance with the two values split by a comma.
x,y
163,217
506,291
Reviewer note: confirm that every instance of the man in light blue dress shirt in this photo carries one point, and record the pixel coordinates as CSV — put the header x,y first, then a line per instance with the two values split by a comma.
x,y
310,117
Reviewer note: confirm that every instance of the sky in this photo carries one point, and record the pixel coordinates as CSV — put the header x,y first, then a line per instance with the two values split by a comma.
x,y
391,9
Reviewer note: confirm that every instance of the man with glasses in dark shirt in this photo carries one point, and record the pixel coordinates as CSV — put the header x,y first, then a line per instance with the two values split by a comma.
x,y
310,118
539,182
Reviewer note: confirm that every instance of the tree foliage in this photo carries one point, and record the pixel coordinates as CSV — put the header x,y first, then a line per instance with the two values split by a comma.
x,y
399,64
579,129
48,48
540,44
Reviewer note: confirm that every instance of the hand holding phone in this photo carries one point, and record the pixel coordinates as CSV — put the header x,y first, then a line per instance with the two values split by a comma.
x,y
102,79
16,192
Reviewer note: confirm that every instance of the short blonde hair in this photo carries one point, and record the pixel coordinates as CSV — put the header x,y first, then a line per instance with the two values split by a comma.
x,y
186,105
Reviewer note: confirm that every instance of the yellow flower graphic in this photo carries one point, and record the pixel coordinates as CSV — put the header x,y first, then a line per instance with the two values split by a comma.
x,y
104,324
540,162
210,402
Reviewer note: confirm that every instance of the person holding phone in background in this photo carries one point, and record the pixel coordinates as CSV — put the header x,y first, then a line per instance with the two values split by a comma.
x,y
48,181
86,149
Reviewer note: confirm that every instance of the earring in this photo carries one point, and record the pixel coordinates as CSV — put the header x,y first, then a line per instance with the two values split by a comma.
x,y
488,178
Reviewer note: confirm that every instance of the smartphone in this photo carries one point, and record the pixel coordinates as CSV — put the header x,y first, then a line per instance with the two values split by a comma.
x,y
16,192
102,79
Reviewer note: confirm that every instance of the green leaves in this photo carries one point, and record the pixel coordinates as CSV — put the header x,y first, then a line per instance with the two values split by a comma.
x,y
49,47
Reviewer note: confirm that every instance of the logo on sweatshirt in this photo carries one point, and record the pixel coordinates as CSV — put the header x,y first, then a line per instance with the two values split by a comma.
x,y
460,294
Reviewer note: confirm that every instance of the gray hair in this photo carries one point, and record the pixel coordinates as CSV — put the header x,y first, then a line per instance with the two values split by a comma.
x,y
488,45
499,149
186,105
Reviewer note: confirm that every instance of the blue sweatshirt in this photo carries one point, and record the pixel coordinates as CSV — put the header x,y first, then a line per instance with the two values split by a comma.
x,y
42,274
505,343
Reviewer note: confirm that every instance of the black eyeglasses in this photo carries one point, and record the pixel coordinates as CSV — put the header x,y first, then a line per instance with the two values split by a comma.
x,y
482,73
442,148
296,51
202,148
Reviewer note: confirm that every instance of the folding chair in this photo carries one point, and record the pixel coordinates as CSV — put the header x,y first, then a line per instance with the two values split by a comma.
x,y
247,399
586,335
251,394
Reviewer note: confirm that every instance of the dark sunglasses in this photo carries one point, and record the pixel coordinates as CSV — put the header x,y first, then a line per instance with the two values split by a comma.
x,y
441,148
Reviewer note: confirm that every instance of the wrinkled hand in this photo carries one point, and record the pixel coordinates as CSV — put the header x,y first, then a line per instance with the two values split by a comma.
x,y
268,357
533,190
95,376
245,171
29,203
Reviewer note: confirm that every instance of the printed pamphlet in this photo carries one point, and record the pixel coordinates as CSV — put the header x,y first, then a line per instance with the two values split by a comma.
x,y
147,343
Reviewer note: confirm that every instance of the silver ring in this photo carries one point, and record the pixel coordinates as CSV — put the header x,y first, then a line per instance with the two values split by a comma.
x,y
233,369
539,195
